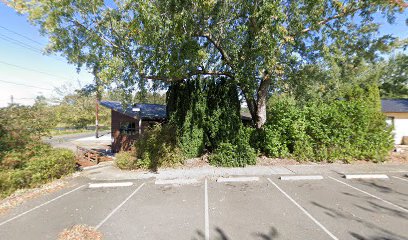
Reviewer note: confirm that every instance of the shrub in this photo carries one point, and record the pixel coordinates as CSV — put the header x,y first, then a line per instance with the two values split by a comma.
x,y
55,164
158,148
126,160
344,129
230,155
35,167
238,154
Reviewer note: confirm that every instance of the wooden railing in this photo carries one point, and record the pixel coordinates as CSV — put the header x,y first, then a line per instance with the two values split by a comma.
x,y
90,155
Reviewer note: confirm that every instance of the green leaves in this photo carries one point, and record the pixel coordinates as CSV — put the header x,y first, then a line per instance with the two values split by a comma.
x,y
130,42
394,77
344,129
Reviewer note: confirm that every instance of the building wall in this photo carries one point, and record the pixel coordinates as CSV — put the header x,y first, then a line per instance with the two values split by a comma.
x,y
400,126
124,141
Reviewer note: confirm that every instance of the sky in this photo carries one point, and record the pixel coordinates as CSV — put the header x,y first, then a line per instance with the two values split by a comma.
x,y
26,73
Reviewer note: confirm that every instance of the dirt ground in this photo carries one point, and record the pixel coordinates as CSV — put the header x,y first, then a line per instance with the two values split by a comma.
x,y
393,158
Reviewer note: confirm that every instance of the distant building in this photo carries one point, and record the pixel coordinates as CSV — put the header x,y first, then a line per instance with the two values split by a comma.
x,y
396,111
128,124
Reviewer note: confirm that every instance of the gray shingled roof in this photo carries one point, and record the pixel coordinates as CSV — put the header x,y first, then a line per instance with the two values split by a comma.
x,y
147,111
394,105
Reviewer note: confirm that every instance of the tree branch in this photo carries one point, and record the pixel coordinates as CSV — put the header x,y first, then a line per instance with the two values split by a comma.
x,y
217,45
340,15
193,73
101,36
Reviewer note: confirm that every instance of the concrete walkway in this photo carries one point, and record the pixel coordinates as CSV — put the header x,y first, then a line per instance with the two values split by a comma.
x,y
107,171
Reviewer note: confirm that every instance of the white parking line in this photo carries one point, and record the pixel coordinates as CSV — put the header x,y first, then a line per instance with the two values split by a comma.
x,y
113,184
119,206
43,204
406,180
371,195
176,181
366,176
293,178
304,211
206,215
237,179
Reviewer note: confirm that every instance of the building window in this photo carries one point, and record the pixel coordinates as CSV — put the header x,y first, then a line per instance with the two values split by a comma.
x,y
128,128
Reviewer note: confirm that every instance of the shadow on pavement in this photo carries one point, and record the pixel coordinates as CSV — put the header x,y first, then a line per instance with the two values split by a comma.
x,y
386,234
381,188
221,235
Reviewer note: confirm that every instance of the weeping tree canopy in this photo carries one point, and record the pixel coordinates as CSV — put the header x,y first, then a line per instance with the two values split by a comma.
x,y
256,45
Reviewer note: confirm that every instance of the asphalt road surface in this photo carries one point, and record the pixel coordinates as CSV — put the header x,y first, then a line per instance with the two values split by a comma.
x,y
257,207
67,141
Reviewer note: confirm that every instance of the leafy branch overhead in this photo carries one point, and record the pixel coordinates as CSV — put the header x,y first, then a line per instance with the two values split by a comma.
x,y
256,45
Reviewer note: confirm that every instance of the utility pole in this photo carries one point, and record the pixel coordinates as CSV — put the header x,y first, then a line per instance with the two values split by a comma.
x,y
97,117
97,96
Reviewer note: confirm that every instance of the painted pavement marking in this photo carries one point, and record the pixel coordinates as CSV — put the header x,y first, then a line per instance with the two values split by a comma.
x,y
306,177
365,176
41,205
206,215
371,195
237,179
119,206
304,211
406,180
112,184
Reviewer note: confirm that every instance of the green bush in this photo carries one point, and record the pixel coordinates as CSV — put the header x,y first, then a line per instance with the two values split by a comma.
x,y
230,155
126,160
37,165
343,129
53,165
237,154
158,148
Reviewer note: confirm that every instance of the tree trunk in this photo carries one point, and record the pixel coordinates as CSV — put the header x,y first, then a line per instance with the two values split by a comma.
x,y
262,97
257,107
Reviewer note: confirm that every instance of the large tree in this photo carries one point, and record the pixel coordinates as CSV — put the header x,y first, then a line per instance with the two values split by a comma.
x,y
394,77
252,43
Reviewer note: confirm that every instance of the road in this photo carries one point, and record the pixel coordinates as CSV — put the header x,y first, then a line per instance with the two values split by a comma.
x,y
66,141
237,207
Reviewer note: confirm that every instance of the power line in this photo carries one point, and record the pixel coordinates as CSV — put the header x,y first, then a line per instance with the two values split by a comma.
x,y
25,45
21,35
33,70
26,85
19,43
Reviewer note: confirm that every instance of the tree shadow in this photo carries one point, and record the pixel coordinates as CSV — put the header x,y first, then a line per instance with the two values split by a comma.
x,y
222,235
385,233
359,237
381,188
387,210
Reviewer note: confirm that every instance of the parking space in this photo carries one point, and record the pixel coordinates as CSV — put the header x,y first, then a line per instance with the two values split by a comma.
x,y
82,206
159,212
392,190
256,210
346,212
327,207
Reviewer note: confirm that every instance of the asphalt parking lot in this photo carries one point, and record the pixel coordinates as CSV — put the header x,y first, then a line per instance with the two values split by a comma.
x,y
256,207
